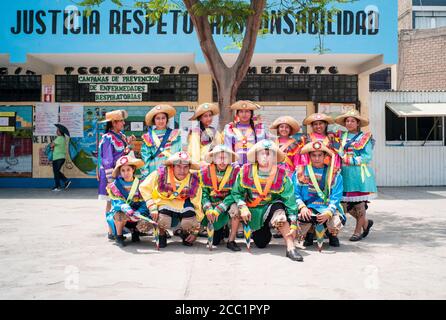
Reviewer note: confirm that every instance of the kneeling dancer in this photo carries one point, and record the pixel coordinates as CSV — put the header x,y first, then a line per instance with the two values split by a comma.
x,y
318,190
217,180
265,197
128,207
173,196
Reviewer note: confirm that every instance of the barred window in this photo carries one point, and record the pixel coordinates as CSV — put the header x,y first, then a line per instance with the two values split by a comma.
x,y
381,80
20,88
284,87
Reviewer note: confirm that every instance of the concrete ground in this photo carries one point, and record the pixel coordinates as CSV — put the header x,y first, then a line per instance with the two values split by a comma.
x,y
53,246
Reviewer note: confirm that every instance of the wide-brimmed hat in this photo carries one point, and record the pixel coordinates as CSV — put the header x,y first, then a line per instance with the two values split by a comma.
x,y
182,157
294,125
265,145
317,117
315,146
209,157
363,121
115,115
203,108
160,108
245,105
126,160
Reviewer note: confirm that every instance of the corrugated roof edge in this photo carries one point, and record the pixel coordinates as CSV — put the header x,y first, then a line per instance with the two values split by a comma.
x,y
408,91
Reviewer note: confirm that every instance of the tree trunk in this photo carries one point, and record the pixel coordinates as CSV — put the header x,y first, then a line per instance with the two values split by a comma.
x,y
227,79
226,97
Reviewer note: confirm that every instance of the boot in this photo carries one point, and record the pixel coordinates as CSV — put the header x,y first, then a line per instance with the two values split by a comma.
x,y
120,241
163,241
294,255
333,241
219,235
308,239
135,236
233,246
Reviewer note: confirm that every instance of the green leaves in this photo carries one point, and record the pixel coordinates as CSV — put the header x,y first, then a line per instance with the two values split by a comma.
x,y
231,16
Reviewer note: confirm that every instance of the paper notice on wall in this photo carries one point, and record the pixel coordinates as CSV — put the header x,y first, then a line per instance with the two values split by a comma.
x,y
46,115
4,121
270,113
72,117
136,126
334,110
185,125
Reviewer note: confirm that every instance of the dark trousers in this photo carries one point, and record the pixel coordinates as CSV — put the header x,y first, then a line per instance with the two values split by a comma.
x,y
263,236
57,165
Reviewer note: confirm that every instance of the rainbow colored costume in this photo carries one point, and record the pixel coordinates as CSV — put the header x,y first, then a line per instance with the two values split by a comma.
x,y
111,147
241,137
154,153
217,186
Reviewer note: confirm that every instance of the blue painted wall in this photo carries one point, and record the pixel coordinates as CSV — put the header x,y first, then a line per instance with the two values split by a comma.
x,y
384,42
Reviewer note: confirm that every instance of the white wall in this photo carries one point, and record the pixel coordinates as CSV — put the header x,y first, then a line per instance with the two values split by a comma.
x,y
405,166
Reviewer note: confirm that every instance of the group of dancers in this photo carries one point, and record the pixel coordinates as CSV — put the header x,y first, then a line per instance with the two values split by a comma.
x,y
247,177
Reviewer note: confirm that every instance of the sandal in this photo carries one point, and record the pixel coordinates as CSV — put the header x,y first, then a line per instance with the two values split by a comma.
x,y
355,237
366,231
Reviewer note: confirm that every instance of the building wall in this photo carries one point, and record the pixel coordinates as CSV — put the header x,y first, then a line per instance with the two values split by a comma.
x,y
421,53
42,169
404,166
404,14
422,59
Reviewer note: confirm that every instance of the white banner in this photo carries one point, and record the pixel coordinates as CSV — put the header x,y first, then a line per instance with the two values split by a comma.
x,y
46,116
72,117
118,88
130,97
130,79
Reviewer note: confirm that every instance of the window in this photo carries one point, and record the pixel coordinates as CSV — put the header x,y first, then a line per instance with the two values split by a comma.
x,y
169,88
297,87
429,19
20,88
381,80
414,130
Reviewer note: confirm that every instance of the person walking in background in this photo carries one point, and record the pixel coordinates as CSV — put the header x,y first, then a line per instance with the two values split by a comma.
x,y
59,148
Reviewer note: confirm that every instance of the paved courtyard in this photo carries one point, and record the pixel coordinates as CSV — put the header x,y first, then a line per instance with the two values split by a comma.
x,y
53,246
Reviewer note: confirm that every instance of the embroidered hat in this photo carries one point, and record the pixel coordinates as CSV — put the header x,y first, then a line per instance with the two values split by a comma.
x,y
160,108
363,121
317,117
294,125
115,115
245,105
203,108
126,160
315,146
217,149
265,145
182,157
